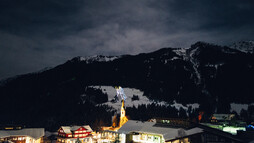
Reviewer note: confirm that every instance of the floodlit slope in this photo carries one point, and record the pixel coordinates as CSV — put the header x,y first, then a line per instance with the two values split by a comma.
x,y
143,100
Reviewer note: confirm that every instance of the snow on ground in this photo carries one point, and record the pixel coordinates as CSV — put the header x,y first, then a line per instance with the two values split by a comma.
x,y
129,92
174,58
180,51
239,107
98,58
244,46
179,105
143,100
195,64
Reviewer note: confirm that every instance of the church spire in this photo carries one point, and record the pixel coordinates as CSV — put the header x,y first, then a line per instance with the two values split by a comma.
x,y
123,118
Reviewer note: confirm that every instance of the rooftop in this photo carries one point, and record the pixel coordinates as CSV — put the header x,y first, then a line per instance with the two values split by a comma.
x,y
31,132
149,127
69,129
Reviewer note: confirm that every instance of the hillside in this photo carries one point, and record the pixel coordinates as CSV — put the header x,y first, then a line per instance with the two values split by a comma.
x,y
209,75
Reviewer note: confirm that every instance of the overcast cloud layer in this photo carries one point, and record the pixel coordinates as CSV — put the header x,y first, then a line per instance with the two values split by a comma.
x,y
40,33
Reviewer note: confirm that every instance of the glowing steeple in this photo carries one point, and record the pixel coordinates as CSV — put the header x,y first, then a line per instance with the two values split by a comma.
x,y
123,118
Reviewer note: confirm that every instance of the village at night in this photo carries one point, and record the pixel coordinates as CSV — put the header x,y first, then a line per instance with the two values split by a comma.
x,y
184,129
126,71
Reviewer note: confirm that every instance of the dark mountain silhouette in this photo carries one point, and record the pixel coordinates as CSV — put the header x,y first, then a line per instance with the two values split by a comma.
x,y
211,75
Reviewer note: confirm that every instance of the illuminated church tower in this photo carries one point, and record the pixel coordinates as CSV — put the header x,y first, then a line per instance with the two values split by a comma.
x,y
116,122
123,118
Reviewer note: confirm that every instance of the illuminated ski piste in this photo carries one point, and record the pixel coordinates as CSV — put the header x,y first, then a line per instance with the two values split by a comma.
x,y
143,100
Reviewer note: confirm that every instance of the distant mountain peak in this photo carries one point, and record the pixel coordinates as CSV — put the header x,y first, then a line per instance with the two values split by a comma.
x,y
244,46
201,44
211,75
95,58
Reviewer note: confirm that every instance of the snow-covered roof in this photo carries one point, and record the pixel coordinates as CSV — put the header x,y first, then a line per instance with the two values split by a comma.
x,y
69,129
223,116
88,128
149,127
31,132
66,129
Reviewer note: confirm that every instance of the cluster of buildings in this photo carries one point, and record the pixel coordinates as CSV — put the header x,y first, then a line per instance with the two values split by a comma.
x,y
19,135
159,130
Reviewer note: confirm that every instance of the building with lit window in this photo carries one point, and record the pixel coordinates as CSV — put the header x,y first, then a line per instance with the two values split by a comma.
x,y
71,134
173,131
226,123
108,136
222,117
153,132
118,122
27,135
111,134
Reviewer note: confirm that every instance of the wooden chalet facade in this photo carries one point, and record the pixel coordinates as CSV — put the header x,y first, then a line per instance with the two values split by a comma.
x,y
70,134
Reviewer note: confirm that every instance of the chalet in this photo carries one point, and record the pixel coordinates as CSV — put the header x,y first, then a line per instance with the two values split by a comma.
x,y
27,135
70,134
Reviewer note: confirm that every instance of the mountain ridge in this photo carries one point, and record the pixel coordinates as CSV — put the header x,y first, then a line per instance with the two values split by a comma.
x,y
244,46
211,75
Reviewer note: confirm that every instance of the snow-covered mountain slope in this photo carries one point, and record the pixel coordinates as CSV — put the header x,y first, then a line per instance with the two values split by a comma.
x,y
142,100
244,46
181,52
211,75
96,58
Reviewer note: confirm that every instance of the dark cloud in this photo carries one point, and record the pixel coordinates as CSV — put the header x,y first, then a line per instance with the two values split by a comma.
x,y
41,33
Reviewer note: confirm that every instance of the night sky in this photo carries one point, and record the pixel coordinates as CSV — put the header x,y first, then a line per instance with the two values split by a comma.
x,y
35,34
